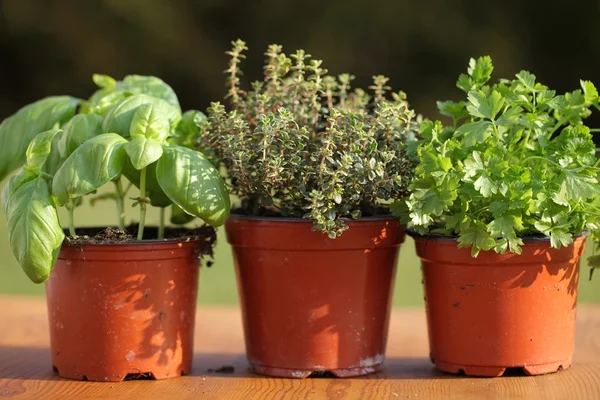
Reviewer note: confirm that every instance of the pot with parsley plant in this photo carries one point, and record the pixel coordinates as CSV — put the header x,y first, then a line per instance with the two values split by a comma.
x,y
313,163
500,208
118,304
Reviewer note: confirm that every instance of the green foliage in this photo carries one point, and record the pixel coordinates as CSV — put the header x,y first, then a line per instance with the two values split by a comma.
x,y
112,92
303,143
91,166
19,129
193,184
79,129
517,161
35,234
125,116
154,192
39,150
123,130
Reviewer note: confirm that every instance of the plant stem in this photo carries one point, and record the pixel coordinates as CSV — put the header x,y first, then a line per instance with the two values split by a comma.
x,y
120,207
142,204
71,209
540,158
595,130
161,226
524,148
558,125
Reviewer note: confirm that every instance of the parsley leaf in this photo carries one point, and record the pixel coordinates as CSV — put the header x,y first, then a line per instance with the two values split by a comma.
x,y
483,106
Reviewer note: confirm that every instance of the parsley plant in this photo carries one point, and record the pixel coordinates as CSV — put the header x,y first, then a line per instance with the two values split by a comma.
x,y
517,161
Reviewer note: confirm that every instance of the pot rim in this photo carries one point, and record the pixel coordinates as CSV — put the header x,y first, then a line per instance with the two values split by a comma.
x,y
442,238
234,216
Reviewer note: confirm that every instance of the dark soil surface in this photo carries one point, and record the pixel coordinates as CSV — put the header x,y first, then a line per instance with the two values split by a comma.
x,y
86,236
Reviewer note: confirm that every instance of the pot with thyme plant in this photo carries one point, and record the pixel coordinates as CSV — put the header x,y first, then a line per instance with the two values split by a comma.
x,y
500,206
117,305
313,163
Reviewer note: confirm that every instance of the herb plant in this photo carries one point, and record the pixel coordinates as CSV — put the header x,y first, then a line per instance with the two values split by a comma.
x,y
516,161
302,143
133,135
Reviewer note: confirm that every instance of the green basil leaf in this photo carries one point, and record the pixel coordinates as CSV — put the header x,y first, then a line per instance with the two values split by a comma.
x,y
154,192
58,154
179,216
152,86
119,119
111,94
187,130
149,121
80,128
39,149
13,184
20,128
104,81
93,164
34,231
194,184
143,152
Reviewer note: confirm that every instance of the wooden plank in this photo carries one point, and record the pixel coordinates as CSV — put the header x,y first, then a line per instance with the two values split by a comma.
x,y
25,371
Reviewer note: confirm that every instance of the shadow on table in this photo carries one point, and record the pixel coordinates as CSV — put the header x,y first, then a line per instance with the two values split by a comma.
x,y
33,363
236,365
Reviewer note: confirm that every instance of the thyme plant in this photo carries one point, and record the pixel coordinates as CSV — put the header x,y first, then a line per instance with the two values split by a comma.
x,y
302,143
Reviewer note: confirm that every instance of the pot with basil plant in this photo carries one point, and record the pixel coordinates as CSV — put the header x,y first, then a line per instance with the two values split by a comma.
x,y
500,207
118,304
313,163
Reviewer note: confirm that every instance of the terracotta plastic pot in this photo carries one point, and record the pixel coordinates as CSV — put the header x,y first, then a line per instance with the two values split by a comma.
x,y
310,303
500,311
119,310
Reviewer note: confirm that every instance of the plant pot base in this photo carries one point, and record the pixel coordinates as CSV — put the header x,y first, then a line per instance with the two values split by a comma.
x,y
471,370
305,373
118,376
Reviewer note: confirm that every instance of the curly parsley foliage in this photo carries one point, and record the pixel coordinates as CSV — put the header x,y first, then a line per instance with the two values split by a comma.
x,y
516,161
305,144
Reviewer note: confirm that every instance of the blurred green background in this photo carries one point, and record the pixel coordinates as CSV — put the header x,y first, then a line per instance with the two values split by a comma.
x,y
53,47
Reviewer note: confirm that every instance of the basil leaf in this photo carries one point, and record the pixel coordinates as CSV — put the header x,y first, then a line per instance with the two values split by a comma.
x,y
179,216
120,118
34,232
93,164
20,128
75,132
143,152
39,149
194,184
58,154
148,121
13,184
104,81
112,92
187,130
81,128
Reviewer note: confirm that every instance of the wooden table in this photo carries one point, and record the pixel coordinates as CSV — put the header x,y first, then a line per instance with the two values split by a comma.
x,y
25,370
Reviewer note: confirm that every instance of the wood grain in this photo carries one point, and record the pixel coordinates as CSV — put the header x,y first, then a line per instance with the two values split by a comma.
x,y
25,371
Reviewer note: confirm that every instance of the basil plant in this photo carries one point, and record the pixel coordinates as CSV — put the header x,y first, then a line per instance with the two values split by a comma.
x,y
68,148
